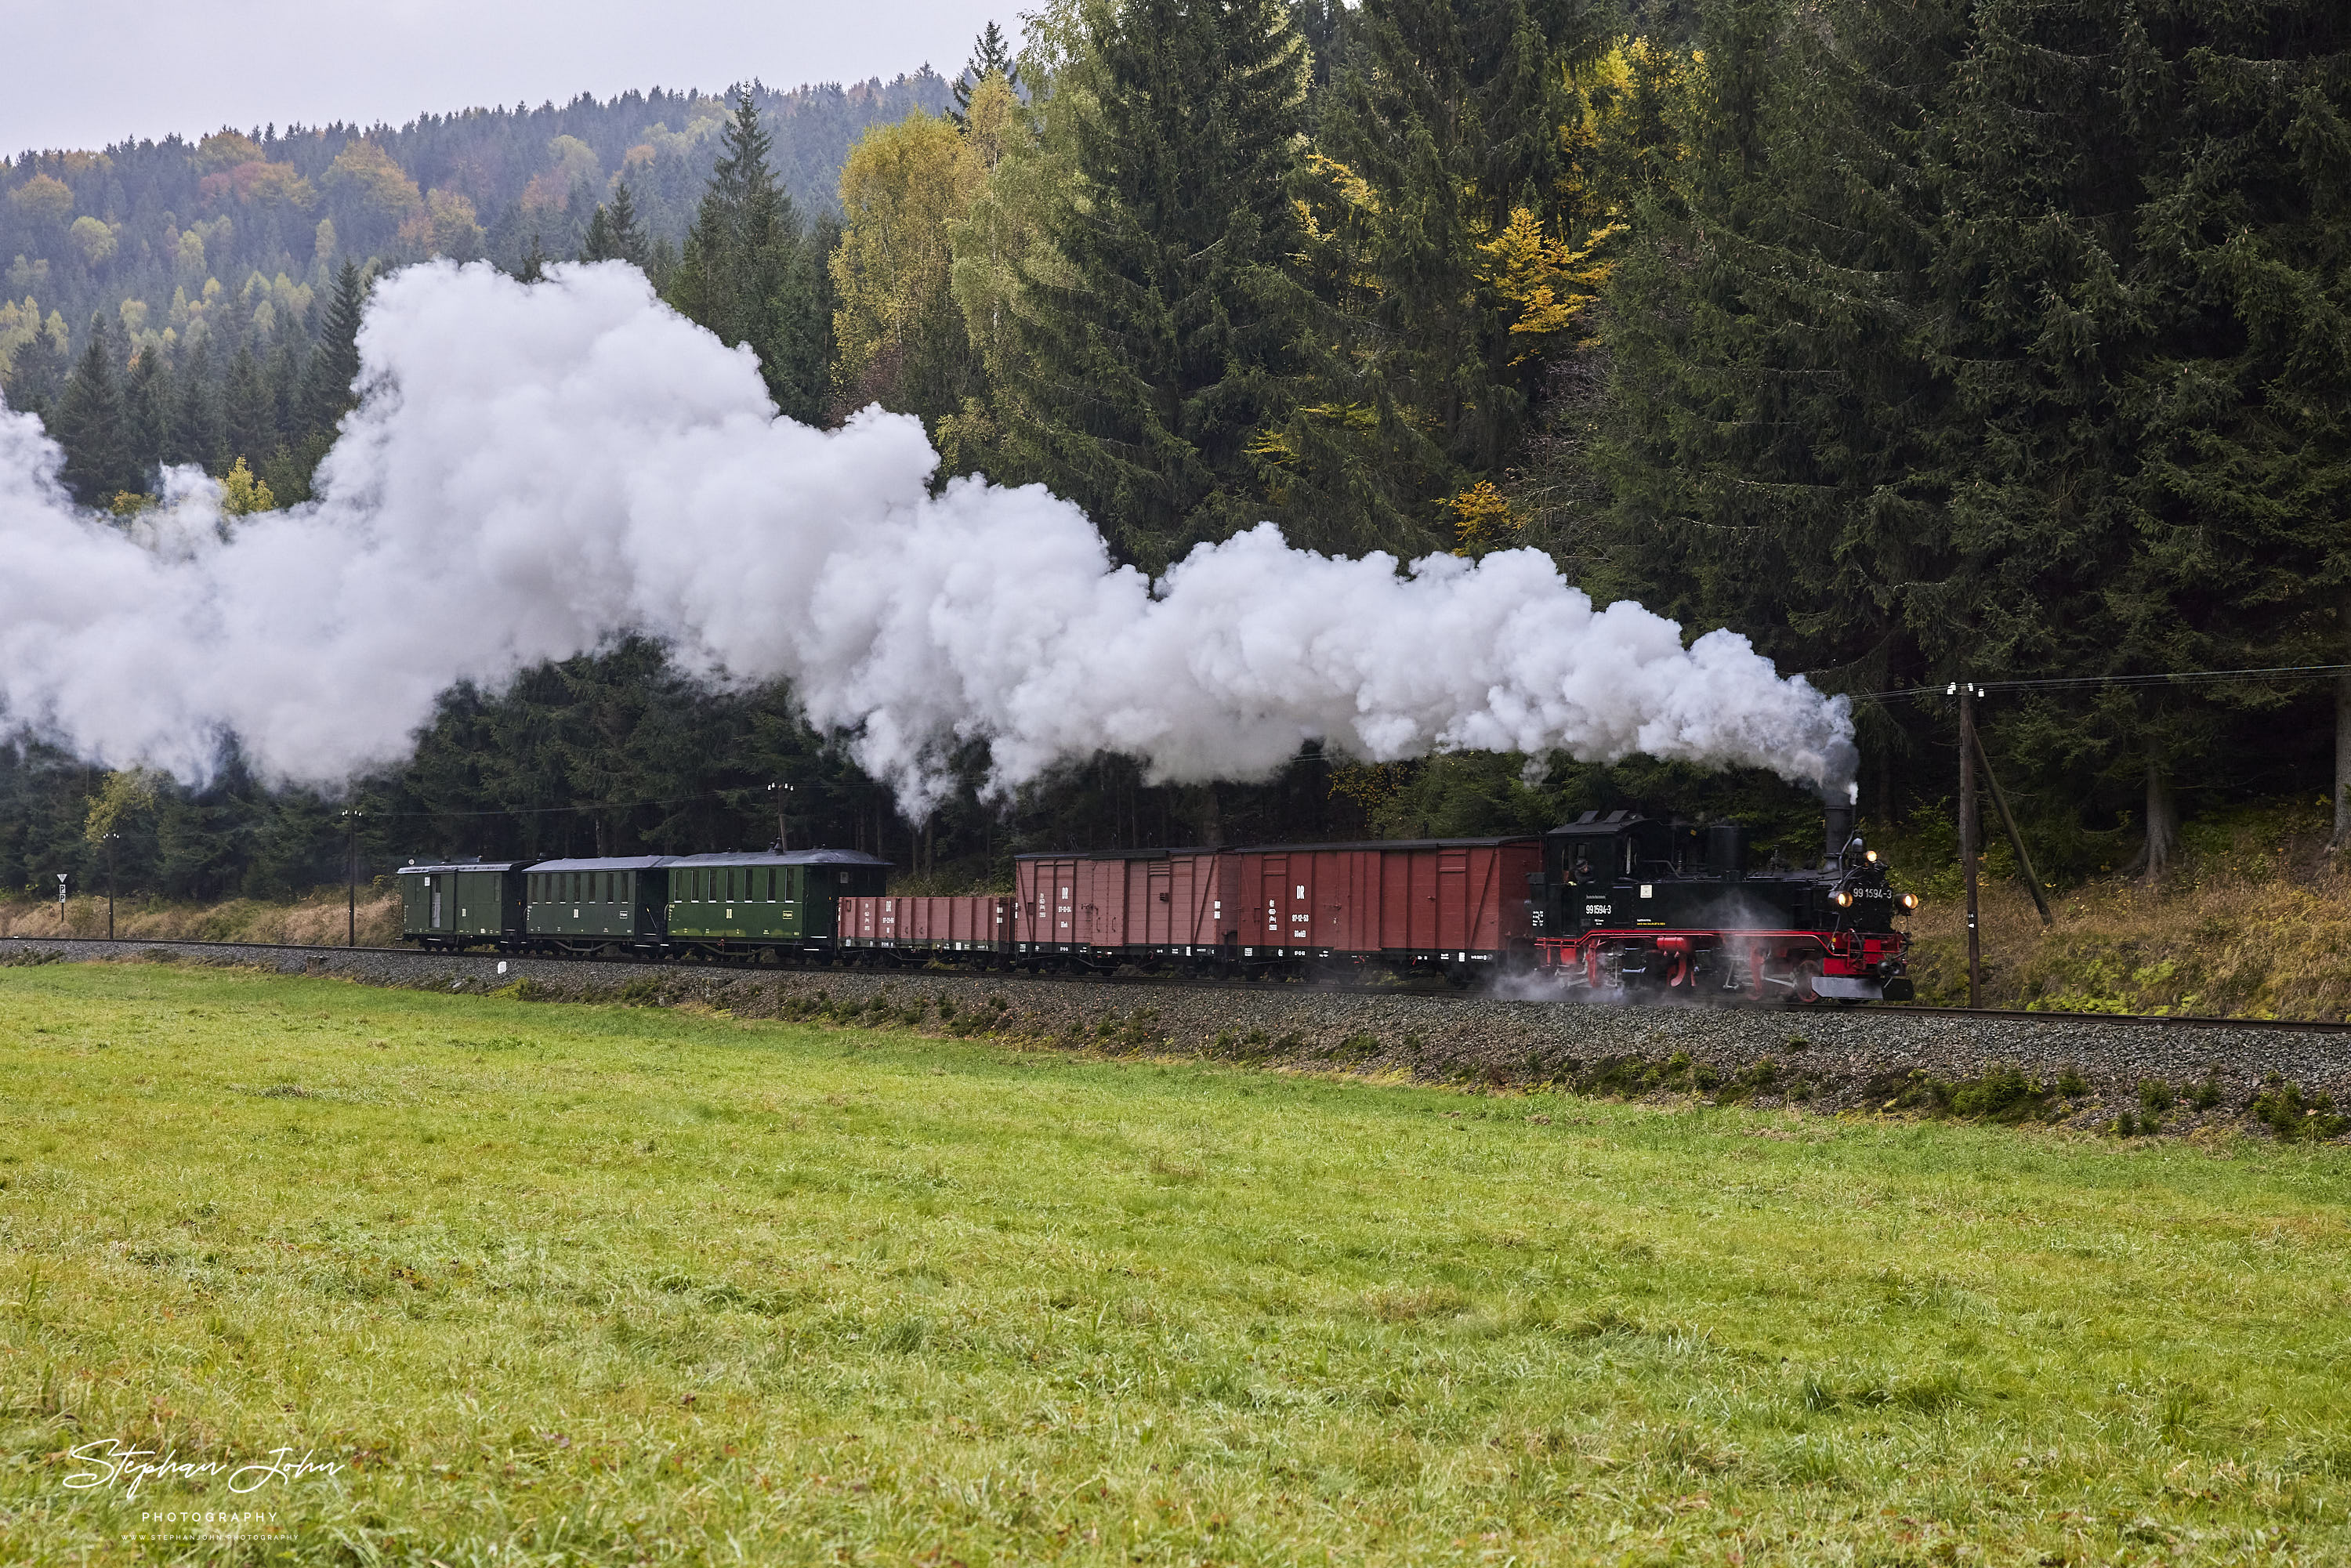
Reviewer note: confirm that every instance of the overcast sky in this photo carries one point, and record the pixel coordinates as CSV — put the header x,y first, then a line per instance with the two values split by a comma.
x,y
83,73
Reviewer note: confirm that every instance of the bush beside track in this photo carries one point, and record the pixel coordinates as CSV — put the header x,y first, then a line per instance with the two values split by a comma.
x,y
2093,1076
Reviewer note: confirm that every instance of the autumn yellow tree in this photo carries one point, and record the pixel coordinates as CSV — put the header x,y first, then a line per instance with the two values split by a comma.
x,y
902,340
1001,224
242,492
367,174
123,794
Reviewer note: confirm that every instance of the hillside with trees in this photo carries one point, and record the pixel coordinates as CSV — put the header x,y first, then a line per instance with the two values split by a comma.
x,y
194,254
1917,342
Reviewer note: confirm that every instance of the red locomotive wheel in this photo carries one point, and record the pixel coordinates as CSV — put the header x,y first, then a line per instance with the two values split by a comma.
x,y
1807,973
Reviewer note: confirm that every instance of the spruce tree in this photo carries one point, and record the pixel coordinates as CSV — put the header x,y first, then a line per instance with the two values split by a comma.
x,y
283,373
596,243
2051,309
990,55
147,403
36,374
1170,341
1771,431
245,402
747,273
1448,112
614,232
199,430
2242,408
628,231
334,364
92,424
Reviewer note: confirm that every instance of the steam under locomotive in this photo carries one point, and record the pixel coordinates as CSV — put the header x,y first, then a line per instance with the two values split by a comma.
x,y
1607,906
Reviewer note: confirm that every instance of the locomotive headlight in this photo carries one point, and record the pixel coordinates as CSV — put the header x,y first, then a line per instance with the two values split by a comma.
x,y
1870,856
1909,901
1841,899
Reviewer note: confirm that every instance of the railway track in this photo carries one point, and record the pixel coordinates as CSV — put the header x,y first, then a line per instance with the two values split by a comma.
x,y
1256,988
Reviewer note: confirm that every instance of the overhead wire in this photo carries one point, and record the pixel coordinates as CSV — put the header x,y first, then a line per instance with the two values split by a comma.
x,y
2282,672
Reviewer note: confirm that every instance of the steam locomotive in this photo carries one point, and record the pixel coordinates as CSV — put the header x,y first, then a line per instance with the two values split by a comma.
x,y
1626,905
1606,907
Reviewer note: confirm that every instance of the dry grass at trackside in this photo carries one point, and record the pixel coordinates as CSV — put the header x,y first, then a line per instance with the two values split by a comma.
x,y
600,1284
320,917
2254,923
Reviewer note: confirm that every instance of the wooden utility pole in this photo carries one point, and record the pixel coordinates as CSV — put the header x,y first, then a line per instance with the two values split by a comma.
x,y
1968,836
351,860
782,794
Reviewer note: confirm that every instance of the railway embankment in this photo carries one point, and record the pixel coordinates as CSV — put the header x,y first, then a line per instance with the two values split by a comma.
x,y
2122,1076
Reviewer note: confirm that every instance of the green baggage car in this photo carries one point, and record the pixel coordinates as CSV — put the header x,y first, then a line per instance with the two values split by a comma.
x,y
786,902
595,905
461,903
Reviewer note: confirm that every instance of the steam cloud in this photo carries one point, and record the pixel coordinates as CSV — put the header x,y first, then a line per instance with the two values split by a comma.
x,y
537,470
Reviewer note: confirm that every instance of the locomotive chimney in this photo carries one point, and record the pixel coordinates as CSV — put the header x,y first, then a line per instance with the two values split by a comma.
x,y
1726,849
1840,833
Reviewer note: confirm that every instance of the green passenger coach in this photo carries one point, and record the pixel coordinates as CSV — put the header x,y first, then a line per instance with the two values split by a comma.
x,y
461,903
587,905
790,899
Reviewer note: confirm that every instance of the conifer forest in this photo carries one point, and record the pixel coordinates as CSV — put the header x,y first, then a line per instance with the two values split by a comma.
x,y
1921,341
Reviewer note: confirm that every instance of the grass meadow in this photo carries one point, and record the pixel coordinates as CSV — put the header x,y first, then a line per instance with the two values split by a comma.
x,y
599,1284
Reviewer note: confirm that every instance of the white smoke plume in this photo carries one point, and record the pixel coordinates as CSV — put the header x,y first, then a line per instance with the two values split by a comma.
x,y
537,470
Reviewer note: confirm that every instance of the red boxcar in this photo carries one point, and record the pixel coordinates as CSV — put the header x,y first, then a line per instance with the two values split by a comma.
x,y
1451,902
963,928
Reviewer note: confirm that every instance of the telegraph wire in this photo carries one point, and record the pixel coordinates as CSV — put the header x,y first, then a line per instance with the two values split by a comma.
x,y
2283,673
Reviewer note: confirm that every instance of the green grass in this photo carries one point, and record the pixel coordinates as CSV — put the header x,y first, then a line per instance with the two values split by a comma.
x,y
610,1284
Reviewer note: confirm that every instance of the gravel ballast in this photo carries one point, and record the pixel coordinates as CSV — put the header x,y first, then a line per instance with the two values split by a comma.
x,y
2086,1073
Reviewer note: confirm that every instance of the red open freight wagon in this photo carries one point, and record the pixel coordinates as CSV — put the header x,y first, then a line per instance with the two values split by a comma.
x,y
965,928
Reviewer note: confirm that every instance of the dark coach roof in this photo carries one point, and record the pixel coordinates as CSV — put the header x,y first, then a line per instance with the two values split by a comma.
x,y
624,862
789,857
463,865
